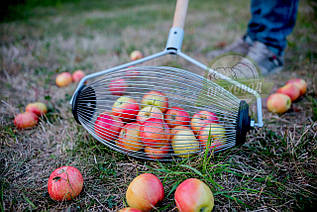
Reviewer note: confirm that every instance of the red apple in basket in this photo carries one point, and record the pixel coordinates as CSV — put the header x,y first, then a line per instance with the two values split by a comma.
x,y
155,98
176,116
108,126
64,79
155,133
118,86
157,153
129,137
125,108
38,108
132,72
216,132
300,84
290,90
149,112
201,118
25,120
144,192
65,183
135,55
77,75
193,195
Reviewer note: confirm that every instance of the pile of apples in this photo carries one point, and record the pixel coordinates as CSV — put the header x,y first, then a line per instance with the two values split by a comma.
x,y
146,191
280,102
157,129
30,117
65,78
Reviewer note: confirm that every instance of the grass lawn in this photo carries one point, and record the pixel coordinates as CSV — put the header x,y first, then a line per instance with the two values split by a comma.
x,y
275,170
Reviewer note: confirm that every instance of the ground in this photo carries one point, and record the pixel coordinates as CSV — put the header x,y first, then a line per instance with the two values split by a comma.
x,y
275,170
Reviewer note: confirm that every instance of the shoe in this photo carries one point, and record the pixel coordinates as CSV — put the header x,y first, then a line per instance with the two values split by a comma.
x,y
265,59
240,46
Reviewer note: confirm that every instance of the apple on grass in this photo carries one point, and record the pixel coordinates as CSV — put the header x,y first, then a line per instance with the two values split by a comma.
x,y
278,103
290,90
125,108
129,137
135,55
149,112
193,195
64,79
38,108
176,116
217,135
184,142
155,133
300,84
77,75
157,153
201,118
65,183
144,192
108,126
155,98
129,210
25,120
118,86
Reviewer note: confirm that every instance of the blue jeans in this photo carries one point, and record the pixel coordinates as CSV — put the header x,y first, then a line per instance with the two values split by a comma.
x,y
272,21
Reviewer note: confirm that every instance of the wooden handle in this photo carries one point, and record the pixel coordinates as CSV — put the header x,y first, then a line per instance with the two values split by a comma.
x,y
180,13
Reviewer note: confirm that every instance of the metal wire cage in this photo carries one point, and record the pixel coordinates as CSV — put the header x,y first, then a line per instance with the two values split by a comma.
x,y
160,113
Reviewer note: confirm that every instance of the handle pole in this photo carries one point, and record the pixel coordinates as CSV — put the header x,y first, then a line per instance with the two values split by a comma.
x,y
180,13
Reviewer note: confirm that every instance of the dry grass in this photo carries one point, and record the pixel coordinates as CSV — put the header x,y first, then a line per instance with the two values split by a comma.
x,y
274,171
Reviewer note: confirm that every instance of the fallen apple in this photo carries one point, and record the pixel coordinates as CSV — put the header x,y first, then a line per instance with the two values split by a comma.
x,y
65,183
25,120
135,55
155,133
118,86
38,108
64,79
278,103
216,132
176,116
300,84
155,98
144,192
184,142
108,126
129,137
125,108
201,118
77,75
149,112
129,210
193,195
290,90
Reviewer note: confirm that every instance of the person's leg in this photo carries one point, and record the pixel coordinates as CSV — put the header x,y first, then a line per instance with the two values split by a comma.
x,y
272,21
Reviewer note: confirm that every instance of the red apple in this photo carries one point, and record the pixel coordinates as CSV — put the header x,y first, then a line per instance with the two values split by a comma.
x,y
278,103
201,118
118,86
135,55
155,133
300,84
129,137
65,183
129,210
77,75
144,192
290,90
125,108
131,72
149,112
176,116
108,126
193,195
38,108
25,120
157,153
64,79
155,98
217,135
